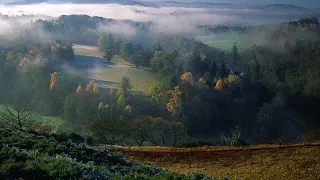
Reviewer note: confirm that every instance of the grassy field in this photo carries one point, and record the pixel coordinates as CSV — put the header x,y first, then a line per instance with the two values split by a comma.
x,y
226,41
57,121
87,50
88,60
261,162
109,77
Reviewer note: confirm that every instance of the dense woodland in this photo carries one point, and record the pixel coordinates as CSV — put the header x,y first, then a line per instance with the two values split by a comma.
x,y
264,95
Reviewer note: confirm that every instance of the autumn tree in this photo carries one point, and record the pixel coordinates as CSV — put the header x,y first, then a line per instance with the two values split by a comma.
x,y
95,89
220,85
12,55
174,105
101,106
202,84
102,110
24,63
128,108
53,80
233,82
92,87
187,78
79,89
111,92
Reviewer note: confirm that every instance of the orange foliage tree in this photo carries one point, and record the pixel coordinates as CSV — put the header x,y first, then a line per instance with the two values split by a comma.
x,y
53,80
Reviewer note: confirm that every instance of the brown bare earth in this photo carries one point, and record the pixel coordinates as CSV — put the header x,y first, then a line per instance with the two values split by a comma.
x,y
259,162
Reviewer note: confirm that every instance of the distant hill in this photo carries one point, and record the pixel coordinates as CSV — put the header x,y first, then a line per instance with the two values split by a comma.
x,y
272,8
124,2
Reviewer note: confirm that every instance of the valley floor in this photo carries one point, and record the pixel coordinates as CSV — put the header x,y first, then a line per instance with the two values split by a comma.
x,y
259,162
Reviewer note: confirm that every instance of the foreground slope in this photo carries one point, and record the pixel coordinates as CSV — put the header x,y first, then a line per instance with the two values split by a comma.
x,y
261,162
33,156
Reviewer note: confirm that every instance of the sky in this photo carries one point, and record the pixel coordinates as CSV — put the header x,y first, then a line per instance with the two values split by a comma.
x,y
304,3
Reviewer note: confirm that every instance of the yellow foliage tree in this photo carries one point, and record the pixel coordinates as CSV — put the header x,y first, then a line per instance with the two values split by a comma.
x,y
101,106
95,89
128,108
92,87
79,89
111,92
202,83
233,82
53,80
24,62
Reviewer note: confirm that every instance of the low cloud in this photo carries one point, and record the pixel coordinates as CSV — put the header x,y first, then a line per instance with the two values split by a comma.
x,y
118,28
175,19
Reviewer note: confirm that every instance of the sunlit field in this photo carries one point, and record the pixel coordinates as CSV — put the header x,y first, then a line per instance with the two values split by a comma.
x,y
226,41
89,63
87,50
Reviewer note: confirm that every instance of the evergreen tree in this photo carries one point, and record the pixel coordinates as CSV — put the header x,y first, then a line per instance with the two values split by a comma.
x,y
107,55
68,108
157,47
235,55
109,42
223,72
122,100
254,68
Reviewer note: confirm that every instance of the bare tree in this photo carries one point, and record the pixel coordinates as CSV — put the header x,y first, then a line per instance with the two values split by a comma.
x,y
17,116
235,134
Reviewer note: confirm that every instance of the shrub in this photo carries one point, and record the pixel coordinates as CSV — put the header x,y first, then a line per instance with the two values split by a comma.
x,y
239,143
44,127
196,143
282,140
90,140
76,138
